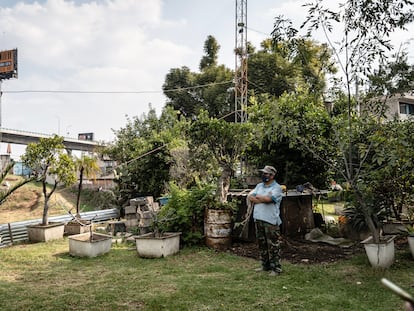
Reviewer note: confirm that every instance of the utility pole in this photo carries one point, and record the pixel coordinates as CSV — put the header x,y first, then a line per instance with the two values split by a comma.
x,y
241,62
8,70
1,94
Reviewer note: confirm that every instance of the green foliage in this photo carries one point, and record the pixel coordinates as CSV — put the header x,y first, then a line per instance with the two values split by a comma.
x,y
391,170
393,77
4,194
47,159
356,213
284,130
143,149
367,30
186,209
190,92
356,138
87,166
224,142
287,62
211,48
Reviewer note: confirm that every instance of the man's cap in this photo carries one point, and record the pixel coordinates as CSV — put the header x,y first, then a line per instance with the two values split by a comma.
x,y
269,170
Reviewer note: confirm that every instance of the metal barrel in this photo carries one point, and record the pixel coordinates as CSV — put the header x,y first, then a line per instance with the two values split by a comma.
x,y
218,228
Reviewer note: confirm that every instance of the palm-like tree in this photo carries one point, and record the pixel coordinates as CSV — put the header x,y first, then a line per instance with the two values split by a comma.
x,y
87,166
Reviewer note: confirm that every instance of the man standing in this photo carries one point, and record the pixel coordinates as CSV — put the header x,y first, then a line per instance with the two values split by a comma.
x,y
266,198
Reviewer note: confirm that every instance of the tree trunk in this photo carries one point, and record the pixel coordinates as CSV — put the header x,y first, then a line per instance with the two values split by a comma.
x,y
45,206
224,183
45,218
368,218
79,192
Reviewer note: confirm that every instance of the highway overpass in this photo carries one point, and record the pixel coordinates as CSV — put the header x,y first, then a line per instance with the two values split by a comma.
x,y
25,138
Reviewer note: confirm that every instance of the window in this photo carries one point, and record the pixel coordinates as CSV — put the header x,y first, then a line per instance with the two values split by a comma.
x,y
406,108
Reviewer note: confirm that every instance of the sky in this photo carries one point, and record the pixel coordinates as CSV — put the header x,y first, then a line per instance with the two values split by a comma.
x,y
113,55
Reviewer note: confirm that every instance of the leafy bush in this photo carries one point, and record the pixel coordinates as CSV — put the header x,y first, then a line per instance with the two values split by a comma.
x,y
356,214
187,209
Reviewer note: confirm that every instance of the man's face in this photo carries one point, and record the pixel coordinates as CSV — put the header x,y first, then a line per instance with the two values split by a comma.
x,y
266,177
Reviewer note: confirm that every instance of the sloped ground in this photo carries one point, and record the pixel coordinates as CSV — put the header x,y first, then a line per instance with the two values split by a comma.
x,y
27,203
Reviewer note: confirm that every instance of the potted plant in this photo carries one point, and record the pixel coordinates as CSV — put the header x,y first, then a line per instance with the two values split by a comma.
x,y
49,164
87,167
225,143
379,248
89,244
218,224
158,243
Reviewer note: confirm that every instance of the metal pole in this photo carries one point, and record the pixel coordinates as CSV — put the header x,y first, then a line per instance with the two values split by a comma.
x,y
1,133
1,93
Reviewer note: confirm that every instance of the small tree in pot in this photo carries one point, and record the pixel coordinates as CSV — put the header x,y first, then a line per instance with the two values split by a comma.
x,y
225,143
47,159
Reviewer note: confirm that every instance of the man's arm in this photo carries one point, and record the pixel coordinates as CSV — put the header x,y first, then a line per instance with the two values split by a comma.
x,y
261,199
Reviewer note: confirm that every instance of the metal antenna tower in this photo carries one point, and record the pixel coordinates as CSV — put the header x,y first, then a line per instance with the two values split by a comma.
x,y
240,103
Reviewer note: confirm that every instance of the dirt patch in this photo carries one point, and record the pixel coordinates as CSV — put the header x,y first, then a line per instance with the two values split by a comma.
x,y
302,251
27,203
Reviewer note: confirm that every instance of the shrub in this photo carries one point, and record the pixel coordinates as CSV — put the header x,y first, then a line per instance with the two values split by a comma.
x,y
187,209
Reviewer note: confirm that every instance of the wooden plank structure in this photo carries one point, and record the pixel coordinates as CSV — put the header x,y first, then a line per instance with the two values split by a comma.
x,y
295,210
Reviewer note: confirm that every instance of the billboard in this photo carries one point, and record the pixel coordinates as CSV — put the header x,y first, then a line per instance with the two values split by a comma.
x,y
85,136
8,64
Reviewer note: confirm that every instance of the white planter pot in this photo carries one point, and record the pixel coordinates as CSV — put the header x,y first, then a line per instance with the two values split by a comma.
x,y
380,255
42,233
411,244
82,245
149,246
76,228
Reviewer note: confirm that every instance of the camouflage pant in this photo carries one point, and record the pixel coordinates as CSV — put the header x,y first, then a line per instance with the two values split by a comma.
x,y
269,240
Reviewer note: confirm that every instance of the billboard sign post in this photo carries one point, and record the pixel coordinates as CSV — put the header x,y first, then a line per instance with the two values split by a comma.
x,y
8,70
8,64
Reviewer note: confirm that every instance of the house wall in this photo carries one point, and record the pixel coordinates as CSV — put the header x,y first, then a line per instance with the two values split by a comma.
x,y
394,107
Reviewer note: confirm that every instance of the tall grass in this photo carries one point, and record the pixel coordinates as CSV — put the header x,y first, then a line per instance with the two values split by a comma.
x,y
44,276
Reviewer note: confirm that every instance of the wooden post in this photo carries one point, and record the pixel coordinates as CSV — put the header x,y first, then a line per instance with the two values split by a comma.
x,y
10,233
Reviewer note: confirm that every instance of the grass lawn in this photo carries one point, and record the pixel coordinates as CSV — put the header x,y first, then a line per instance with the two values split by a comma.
x,y
44,276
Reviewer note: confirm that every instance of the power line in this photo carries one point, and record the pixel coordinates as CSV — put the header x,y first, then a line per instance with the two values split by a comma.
x,y
258,31
116,92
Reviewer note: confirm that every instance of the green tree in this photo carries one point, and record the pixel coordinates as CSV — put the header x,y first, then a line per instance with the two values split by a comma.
x,y
211,48
180,89
367,28
88,167
143,149
225,142
278,126
285,63
190,92
391,173
47,159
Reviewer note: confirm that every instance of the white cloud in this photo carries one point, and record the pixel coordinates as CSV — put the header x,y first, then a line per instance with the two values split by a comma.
x,y
114,45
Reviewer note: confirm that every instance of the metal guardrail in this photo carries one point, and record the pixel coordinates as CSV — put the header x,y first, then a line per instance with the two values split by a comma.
x,y
17,231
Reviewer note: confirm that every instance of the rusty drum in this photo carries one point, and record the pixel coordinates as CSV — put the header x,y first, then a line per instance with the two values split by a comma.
x,y
218,228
